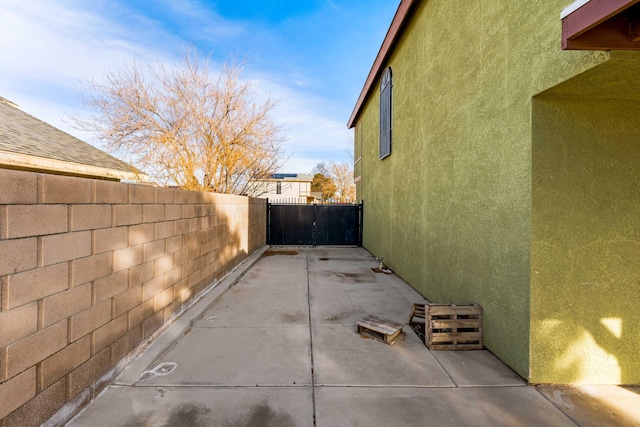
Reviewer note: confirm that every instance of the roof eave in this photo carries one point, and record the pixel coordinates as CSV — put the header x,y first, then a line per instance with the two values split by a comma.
x,y
393,33
601,25
47,165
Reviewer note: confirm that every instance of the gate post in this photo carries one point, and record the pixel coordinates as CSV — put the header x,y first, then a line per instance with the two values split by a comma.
x,y
361,222
268,220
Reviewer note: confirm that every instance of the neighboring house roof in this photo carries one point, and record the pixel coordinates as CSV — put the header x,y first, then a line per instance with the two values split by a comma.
x,y
397,25
30,144
294,177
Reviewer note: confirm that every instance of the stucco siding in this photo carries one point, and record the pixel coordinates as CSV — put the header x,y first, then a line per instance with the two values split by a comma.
x,y
450,209
586,239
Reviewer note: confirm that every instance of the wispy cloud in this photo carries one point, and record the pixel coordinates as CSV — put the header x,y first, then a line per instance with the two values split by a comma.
x,y
49,48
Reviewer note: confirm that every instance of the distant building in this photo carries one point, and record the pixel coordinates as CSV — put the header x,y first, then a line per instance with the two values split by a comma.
x,y
286,187
27,143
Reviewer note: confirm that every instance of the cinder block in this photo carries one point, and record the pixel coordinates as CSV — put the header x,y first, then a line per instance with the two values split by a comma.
x,y
29,351
127,343
172,276
154,250
182,197
94,267
18,188
111,285
126,300
163,299
65,247
164,195
66,360
182,227
18,255
141,233
110,239
181,257
164,264
23,288
35,220
141,312
152,324
39,409
88,372
109,333
188,211
127,257
201,210
164,229
153,287
141,273
91,319
170,310
65,189
189,240
18,323
90,217
142,194
188,268
152,213
174,244
195,278
173,212
65,304
17,391
181,290
127,214
111,192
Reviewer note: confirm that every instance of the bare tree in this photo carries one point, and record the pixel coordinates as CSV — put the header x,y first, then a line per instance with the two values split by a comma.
x,y
342,175
186,127
322,168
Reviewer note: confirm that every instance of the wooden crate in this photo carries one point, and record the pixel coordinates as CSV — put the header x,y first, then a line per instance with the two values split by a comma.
x,y
380,329
417,313
453,327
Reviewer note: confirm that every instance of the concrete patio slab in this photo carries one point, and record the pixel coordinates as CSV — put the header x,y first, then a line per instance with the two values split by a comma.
x,y
342,357
244,356
278,267
597,405
477,368
345,306
252,305
198,406
239,356
383,407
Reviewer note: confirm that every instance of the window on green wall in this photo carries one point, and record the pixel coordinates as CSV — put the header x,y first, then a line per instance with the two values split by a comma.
x,y
385,113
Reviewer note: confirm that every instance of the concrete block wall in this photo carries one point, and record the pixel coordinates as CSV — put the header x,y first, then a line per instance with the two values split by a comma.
x,y
90,269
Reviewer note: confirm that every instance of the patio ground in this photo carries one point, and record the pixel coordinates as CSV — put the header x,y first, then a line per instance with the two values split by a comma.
x,y
276,345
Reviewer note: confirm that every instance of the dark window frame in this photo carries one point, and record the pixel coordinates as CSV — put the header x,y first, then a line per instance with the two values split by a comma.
x,y
386,113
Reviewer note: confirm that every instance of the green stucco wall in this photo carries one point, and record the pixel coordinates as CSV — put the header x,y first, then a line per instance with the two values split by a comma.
x,y
585,260
450,210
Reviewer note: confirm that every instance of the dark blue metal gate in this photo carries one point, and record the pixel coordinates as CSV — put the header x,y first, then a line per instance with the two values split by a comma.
x,y
314,225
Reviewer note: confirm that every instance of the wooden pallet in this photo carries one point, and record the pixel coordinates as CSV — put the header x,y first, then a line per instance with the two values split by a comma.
x,y
380,329
453,327
417,314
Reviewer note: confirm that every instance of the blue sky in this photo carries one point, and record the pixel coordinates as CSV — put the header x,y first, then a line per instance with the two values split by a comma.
x,y
311,56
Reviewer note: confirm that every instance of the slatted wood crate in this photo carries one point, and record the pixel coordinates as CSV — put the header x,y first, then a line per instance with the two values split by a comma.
x,y
417,313
380,329
453,327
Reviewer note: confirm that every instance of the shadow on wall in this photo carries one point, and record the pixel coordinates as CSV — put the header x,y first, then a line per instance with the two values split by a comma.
x,y
126,260
585,271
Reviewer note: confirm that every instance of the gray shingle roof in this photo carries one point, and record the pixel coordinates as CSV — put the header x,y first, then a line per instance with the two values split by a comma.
x,y
21,133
